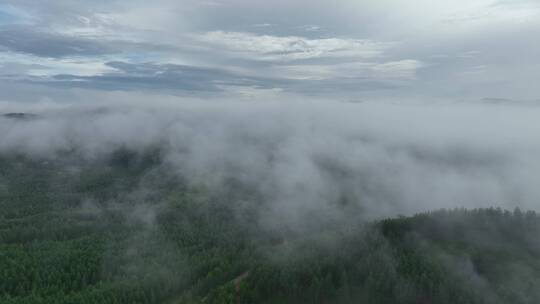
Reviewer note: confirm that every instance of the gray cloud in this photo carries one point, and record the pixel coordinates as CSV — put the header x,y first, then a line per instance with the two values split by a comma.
x,y
150,76
54,45
46,44
175,79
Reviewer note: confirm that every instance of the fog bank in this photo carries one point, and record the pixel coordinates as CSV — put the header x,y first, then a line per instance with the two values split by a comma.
x,y
311,159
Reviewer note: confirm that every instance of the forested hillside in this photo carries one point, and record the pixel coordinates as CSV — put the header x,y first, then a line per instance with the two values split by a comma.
x,y
122,229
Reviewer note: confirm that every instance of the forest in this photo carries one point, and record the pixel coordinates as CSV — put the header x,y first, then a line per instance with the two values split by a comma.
x,y
269,152
122,229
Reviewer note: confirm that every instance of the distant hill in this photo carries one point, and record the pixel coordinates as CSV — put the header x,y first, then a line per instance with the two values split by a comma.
x,y
19,115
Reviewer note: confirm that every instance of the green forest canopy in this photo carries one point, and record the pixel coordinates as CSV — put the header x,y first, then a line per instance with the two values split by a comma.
x,y
89,234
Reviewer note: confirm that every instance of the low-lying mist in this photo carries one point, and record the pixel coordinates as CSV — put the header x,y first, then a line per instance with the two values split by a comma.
x,y
309,160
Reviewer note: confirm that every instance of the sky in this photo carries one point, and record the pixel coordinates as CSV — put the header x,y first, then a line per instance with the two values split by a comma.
x,y
464,50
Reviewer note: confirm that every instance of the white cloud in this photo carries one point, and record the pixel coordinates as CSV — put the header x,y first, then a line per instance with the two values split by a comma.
x,y
96,26
267,47
405,69
393,70
496,14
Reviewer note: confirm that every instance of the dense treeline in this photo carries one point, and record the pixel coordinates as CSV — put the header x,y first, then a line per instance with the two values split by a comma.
x,y
124,230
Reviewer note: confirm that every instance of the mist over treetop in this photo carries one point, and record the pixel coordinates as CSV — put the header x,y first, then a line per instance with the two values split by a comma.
x,y
389,158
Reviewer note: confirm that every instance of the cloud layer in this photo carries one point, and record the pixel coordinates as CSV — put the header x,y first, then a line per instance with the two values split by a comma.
x,y
317,158
465,50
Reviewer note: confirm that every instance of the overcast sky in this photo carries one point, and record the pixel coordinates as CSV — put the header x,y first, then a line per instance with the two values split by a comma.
x,y
345,49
